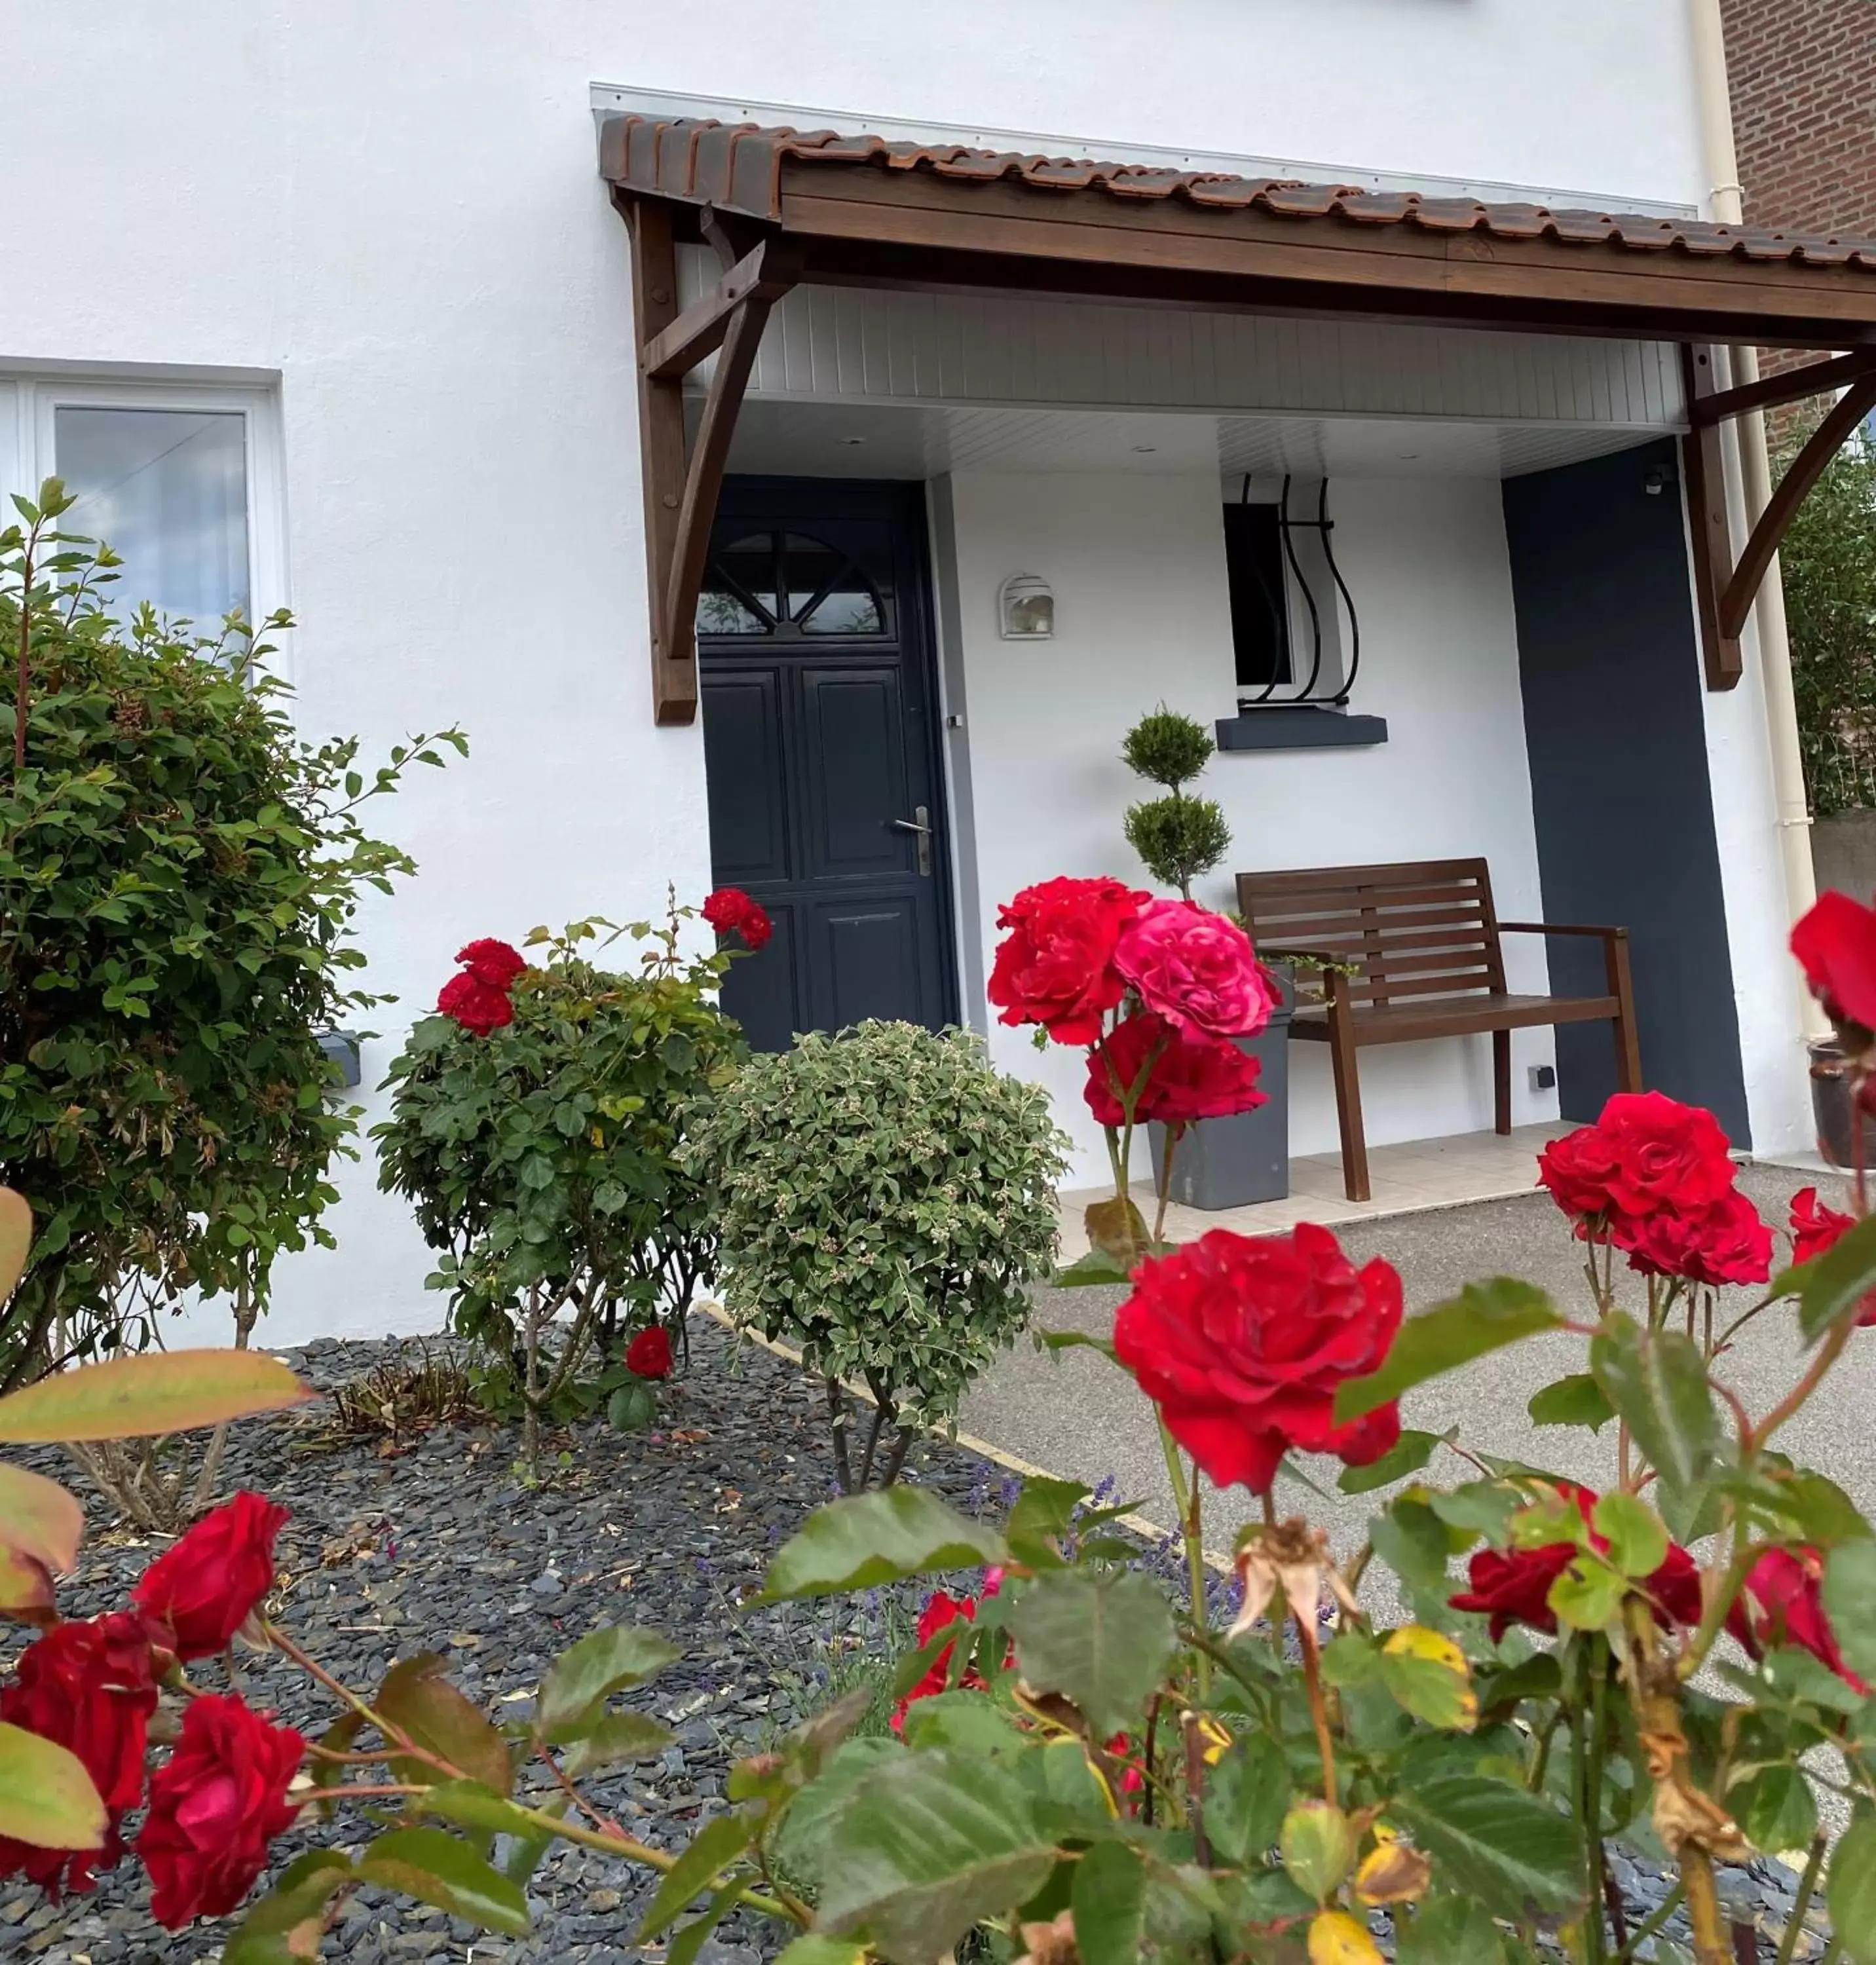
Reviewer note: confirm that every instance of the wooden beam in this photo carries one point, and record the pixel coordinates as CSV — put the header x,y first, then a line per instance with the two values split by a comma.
x,y
704,480
767,273
1787,385
1775,521
661,449
1710,529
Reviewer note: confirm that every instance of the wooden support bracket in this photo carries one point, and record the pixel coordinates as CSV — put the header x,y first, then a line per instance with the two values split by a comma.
x,y
1800,475
1785,385
1702,471
681,489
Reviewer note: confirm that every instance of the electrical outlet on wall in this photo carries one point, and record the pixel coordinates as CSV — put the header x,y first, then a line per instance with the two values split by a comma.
x,y
1543,1078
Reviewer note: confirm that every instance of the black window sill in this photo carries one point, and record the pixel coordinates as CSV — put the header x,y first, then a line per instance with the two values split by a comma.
x,y
1299,726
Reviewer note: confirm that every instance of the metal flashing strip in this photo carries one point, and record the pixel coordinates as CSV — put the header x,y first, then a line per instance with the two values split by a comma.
x,y
610,98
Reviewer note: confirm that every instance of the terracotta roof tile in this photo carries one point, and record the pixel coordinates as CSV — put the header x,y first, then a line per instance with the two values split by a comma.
x,y
738,167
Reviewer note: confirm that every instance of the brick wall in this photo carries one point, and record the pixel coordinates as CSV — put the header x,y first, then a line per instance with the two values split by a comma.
x,y
1804,76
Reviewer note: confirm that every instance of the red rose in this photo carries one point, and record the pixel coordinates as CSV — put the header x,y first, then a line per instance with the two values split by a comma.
x,y
1195,968
478,1007
1189,1080
940,1610
207,1586
1513,1585
494,963
1647,1152
90,1687
649,1354
1242,1342
1725,1243
1835,946
1816,1230
1055,965
730,910
214,1806
1783,1603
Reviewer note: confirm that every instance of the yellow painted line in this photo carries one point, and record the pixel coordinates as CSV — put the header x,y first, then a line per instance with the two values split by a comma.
x,y
983,1448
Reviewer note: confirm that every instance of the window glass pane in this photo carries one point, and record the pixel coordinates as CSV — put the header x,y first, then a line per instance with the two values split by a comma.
x,y
745,567
167,490
1253,566
817,571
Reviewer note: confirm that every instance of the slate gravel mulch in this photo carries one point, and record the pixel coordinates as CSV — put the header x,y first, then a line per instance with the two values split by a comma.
x,y
441,1546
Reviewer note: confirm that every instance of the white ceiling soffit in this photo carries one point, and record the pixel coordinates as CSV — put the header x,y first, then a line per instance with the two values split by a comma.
x,y
608,96
784,438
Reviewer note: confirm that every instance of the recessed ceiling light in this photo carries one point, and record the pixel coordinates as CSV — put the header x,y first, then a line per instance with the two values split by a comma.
x,y
850,440
1144,449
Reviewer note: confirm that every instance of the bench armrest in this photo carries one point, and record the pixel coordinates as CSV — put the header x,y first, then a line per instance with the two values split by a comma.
x,y
1562,928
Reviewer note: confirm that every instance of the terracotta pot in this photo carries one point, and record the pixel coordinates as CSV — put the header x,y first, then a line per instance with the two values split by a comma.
x,y
1833,1107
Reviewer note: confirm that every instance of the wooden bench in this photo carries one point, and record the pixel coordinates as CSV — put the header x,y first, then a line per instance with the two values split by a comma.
x,y
1418,947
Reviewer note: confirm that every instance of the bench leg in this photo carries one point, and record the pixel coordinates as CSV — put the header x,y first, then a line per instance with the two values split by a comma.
x,y
1348,1105
1628,1050
1501,1080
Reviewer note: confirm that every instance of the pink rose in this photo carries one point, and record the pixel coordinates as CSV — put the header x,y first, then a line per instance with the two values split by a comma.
x,y
1195,968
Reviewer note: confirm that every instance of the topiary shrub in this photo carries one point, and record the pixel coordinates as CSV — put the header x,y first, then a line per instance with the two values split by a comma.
x,y
884,1196
538,1145
178,875
1178,838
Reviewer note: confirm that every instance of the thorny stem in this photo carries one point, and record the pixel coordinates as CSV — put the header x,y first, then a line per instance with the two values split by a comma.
x,y
1650,1925
1174,1136
1186,1496
1318,1712
406,1748
1598,1666
1807,1885
1195,1785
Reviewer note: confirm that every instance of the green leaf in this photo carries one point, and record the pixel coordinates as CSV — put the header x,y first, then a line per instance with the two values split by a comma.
x,y
1587,1595
1246,1795
686,1944
1509,1849
1850,1604
1657,1381
1775,1808
1850,1891
1096,1267
1484,1317
435,1868
1411,1539
868,1539
1835,1283
617,1737
926,1846
1427,1675
584,1675
159,1392
437,1717
801,1844
1450,1931
286,1926
469,1805
1077,1340
813,1949
1318,1843
632,1408
1043,1516
47,1799
1576,1400
1102,1638
1408,1455
711,1851
1638,1542
16,1240
1109,1898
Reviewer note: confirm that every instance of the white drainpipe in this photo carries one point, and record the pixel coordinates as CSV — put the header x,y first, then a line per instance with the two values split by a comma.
x,y
1715,101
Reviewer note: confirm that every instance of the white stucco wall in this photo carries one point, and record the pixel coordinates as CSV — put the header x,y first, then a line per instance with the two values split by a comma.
x,y
392,211
1138,566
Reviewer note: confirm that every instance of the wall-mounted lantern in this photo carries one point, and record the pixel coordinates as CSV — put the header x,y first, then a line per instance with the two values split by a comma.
x,y
1026,609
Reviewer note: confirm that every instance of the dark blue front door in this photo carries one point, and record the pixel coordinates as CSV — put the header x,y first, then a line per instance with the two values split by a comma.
x,y
820,744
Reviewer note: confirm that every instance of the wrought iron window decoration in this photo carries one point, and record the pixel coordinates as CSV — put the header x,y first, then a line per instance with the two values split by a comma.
x,y
1315,688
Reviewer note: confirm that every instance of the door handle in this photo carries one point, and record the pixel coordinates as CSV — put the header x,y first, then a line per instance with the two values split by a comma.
x,y
920,823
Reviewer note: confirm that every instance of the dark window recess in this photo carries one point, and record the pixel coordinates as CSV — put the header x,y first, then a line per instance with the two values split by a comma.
x,y
1253,565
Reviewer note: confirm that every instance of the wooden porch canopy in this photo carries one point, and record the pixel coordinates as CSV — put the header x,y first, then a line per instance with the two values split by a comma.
x,y
781,207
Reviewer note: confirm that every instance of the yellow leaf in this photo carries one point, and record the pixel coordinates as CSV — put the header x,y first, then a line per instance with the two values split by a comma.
x,y
26,1594
1428,1676
1336,1938
1117,1229
46,1798
39,1518
132,1398
16,1239
1416,1641
1393,1873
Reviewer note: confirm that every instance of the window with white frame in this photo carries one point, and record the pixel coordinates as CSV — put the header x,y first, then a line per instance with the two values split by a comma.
x,y
182,479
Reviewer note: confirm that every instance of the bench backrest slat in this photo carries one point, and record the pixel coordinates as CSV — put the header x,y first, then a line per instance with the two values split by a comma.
x,y
1420,929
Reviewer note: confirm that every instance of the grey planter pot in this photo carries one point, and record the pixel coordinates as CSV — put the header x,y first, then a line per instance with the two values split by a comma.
x,y
1232,1163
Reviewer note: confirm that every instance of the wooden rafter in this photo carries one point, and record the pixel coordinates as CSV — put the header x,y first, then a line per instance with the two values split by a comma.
x,y
1784,385
682,483
1710,529
1775,521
